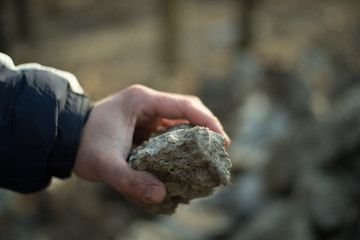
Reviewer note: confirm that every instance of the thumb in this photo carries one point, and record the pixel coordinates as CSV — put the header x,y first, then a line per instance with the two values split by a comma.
x,y
137,185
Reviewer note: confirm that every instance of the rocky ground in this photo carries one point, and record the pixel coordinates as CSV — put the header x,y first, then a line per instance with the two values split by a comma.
x,y
290,102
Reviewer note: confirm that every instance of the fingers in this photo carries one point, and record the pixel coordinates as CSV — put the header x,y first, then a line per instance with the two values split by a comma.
x,y
136,185
170,122
144,130
174,106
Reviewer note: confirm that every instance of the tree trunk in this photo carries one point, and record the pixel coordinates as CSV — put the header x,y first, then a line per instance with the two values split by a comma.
x,y
170,34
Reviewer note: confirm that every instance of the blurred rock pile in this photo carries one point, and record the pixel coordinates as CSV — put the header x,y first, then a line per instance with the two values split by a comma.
x,y
291,104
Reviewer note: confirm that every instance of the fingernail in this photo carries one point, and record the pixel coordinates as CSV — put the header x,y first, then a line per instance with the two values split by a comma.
x,y
227,138
154,194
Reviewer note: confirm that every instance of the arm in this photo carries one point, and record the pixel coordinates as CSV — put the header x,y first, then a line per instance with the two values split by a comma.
x,y
42,112
42,131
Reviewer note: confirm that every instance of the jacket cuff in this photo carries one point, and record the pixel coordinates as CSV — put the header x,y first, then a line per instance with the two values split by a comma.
x,y
70,124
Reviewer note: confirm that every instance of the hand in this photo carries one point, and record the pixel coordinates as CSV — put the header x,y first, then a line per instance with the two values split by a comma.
x,y
107,137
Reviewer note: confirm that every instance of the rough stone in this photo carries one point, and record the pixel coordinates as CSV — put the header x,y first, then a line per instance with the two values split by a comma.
x,y
190,161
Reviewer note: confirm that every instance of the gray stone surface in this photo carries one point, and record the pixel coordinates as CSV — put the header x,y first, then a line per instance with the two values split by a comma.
x,y
191,162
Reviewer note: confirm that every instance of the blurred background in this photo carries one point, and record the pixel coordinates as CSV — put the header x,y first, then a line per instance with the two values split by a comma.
x,y
282,76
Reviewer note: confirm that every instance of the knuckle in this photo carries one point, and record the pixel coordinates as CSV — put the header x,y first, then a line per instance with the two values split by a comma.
x,y
136,88
186,101
135,95
195,98
128,187
189,100
192,98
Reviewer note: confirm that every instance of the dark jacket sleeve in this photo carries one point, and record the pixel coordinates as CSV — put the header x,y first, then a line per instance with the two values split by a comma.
x,y
41,119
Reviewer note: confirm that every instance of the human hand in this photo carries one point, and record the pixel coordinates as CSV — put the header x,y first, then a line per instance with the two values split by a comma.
x,y
107,137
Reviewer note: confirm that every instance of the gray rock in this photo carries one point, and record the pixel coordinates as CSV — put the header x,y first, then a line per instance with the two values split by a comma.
x,y
190,161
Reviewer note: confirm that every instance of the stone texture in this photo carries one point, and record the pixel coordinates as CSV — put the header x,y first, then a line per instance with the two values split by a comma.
x,y
190,161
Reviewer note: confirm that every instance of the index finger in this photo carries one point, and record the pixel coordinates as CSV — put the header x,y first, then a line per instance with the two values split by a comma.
x,y
191,108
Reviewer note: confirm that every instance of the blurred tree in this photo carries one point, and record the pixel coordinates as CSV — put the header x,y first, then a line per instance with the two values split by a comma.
x,y
14,22
22,18
246,10
170,12
3,39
